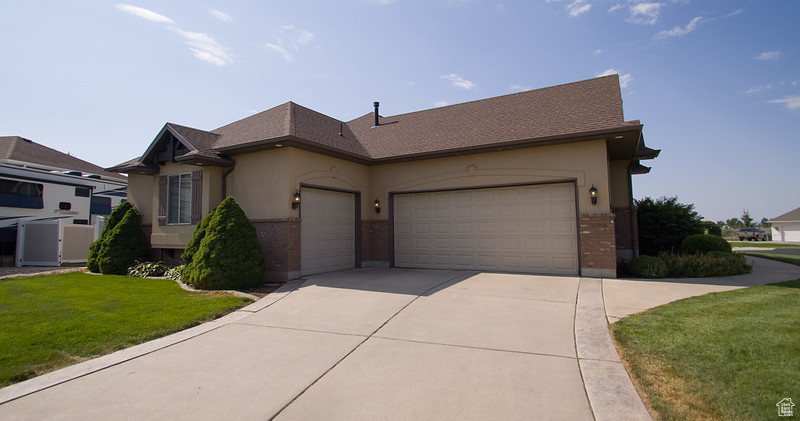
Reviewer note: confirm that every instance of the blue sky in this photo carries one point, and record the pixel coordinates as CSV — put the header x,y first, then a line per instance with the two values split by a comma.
x,y
716,83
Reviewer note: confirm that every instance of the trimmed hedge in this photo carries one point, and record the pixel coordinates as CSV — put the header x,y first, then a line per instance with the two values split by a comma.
x,y
647,267
713,264
197,237
229,255
113,219
124,245
704,243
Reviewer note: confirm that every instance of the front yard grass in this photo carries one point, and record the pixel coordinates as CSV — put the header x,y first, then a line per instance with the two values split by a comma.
x,y
764,245
49,322
729,355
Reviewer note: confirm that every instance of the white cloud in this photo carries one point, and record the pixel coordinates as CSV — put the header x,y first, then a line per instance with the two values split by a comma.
x,y
790,102
624,79
645,13
759,88
280,50
379,1
440,103
615,7
290,39
769,55
220,15
458,81
578,7
519,88
678,31
144,13
597,52
205,47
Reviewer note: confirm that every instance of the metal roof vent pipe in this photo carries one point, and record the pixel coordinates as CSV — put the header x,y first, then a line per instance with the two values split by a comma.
x,y
376,104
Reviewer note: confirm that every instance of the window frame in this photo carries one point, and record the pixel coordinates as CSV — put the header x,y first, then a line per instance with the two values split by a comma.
x,y
179,209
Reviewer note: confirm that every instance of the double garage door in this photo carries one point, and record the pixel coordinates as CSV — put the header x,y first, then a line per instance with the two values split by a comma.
x,y
529,229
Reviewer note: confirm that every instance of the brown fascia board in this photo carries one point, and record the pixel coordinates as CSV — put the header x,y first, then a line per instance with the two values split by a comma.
x,y
199,159
515,144
293,141
134,168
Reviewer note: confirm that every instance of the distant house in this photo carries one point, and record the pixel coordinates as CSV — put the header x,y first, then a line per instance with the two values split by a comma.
x,y
532,182
39,184
786,227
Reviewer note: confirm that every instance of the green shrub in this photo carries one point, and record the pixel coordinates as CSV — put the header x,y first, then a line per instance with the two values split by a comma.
x,y
124,245
229,256
703,243
147,269
197,238
712,264
664,223
112,221
712,228
647,267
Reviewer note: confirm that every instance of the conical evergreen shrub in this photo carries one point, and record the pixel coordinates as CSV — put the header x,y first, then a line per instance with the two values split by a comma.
x,y
124,245
229,256
113,219
197,237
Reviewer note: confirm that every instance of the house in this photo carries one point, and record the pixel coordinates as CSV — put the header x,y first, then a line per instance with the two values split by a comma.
x,y
532,182
49,202
786,227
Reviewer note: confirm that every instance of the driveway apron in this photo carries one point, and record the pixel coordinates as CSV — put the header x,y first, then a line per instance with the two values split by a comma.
x,y
359,344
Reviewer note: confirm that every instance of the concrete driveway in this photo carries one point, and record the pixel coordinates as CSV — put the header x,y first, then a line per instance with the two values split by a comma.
x,y
362,345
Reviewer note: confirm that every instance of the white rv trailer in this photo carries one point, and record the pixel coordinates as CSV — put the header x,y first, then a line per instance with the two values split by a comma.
x,y
35,192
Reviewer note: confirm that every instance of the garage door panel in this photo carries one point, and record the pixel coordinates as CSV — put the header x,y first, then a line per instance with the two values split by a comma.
x,y
327,231
520,229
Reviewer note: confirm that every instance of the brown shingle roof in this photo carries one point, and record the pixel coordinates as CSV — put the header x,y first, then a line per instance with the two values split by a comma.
x,y
16,148
569,111
791,216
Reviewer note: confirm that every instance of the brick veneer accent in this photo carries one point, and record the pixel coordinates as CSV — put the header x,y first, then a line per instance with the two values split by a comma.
x,y
598,248
375,241
280,243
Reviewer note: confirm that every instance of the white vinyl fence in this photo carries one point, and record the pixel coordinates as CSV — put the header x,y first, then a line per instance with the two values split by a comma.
x,y
51,243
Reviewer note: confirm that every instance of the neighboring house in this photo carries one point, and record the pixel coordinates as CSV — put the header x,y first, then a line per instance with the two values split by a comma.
x,y
786,227
533,182
39,184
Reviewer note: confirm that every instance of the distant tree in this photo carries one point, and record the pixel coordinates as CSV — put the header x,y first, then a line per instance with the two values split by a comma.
x,y
765,223
734,223
664,223
711,228
747,219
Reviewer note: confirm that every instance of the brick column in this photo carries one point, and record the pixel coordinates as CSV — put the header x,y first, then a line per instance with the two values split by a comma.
x,y
598,246
375,243
280,243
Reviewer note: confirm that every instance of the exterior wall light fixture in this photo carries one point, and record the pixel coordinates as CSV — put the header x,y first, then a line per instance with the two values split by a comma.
x,y
377,206
296,200
593,194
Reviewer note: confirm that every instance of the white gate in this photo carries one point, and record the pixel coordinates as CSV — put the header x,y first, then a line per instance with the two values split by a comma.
x,y
51,243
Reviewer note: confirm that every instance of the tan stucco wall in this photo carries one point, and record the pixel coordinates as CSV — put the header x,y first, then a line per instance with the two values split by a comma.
x,y
584,162
264,182
140,194
620,184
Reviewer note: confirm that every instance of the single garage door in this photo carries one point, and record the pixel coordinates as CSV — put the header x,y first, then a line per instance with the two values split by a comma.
x,y
530,229
327,231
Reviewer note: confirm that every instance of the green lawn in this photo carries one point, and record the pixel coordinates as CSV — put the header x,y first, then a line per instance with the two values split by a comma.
x,y
49,322
729,355
764,245
786,258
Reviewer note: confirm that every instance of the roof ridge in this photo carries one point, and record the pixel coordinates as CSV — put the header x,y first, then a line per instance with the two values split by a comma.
x,y
291,123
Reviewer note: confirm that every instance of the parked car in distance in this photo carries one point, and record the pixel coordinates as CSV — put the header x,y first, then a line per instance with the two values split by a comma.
x,y
751,234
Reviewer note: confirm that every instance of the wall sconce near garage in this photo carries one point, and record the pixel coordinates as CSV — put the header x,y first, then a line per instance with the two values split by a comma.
x,y
593,194
377,206
296,200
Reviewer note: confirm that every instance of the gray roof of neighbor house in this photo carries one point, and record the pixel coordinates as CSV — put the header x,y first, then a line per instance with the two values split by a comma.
x,y
791,216
570,112
19,151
